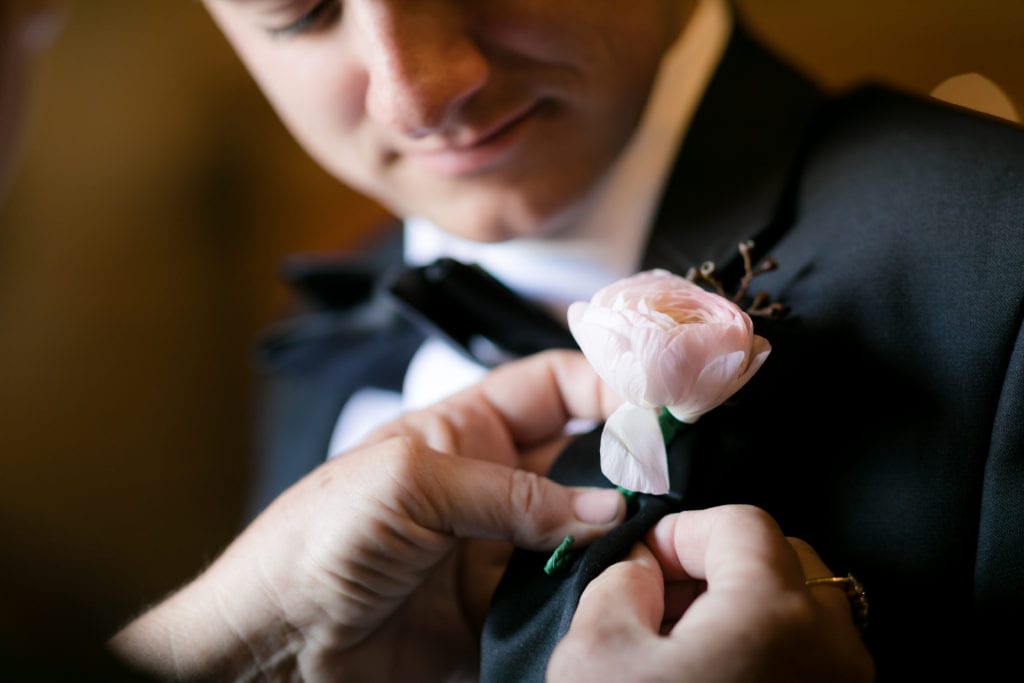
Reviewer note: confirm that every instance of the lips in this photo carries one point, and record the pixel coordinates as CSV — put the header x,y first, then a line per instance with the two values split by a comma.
x,y
480,151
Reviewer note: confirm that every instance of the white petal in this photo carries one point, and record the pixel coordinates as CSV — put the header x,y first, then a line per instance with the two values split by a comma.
x,y
715,383
633,450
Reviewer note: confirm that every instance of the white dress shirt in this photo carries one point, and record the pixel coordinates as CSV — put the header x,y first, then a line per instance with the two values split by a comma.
x,y
604,246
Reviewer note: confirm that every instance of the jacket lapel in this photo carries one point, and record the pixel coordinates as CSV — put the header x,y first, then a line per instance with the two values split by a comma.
x,y
747,136
746,140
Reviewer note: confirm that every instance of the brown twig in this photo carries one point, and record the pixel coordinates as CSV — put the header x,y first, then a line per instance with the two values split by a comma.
x,y
761,305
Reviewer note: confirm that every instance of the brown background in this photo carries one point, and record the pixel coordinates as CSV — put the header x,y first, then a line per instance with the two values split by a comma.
x,y
138,257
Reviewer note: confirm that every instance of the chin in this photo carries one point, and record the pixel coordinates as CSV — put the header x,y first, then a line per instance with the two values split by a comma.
x,y
514,220
489,232
496,231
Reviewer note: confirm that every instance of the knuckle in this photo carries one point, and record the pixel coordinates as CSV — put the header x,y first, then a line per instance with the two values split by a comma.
x,y
576,657
433,427
527,501
524,493
399,452
405,477
400,458
441,431
799,611
744,513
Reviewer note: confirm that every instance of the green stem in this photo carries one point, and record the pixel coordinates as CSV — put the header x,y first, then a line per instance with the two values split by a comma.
x,y
560,558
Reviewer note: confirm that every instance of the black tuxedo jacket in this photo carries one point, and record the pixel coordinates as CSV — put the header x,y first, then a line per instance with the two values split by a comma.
x,y
887,425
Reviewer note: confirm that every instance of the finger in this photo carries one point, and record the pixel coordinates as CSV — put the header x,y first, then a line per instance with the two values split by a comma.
x,y
619,609
478,499
459,426
831,597
756,599
679,595
520,406
537,396
734,546
735,553
810,562
540,458
628,596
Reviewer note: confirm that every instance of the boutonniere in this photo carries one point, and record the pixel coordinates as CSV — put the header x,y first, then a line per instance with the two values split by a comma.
x,y
674,350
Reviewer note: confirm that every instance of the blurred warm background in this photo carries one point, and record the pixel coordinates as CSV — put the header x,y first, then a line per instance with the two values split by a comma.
x,y
138,260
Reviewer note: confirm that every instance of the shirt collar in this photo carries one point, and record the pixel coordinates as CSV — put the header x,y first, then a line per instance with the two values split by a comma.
x,y
598,250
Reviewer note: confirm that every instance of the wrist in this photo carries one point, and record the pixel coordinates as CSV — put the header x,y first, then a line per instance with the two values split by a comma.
x,y
221,626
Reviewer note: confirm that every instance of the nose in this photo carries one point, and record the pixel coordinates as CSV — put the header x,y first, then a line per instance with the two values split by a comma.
x,y
422,64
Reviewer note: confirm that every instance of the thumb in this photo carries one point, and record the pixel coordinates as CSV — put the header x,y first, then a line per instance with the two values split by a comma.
x,y
630,593
469,498
624,603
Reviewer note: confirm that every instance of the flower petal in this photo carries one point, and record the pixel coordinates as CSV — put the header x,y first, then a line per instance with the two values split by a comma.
x,y
633,452
715,383
660,340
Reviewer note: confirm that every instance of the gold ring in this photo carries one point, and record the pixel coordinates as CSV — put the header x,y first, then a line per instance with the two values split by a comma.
x,y
854,593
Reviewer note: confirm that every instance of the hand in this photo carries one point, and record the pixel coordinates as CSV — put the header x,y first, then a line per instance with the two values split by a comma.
x,y
714,595
358,571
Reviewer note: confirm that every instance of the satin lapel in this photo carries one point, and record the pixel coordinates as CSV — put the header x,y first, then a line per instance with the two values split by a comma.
x,y
746,141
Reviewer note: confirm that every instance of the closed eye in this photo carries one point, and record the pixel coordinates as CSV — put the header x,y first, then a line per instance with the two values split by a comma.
x,y
320,16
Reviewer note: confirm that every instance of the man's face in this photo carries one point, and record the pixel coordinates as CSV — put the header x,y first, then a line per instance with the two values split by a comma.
x,y
492,118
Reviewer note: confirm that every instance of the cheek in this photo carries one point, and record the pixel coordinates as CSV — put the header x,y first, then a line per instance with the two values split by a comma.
x,y
314,90
347,96
321,101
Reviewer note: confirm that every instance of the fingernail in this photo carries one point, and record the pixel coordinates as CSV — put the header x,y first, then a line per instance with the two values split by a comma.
x,y
599,506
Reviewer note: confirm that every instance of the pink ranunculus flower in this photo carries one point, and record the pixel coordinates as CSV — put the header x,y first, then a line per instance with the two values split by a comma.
x,y
659,340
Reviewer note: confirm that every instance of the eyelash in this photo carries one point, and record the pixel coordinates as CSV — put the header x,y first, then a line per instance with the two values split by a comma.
x,y
320,16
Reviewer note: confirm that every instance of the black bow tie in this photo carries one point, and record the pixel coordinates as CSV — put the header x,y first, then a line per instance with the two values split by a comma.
x,y
475,312
460,303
